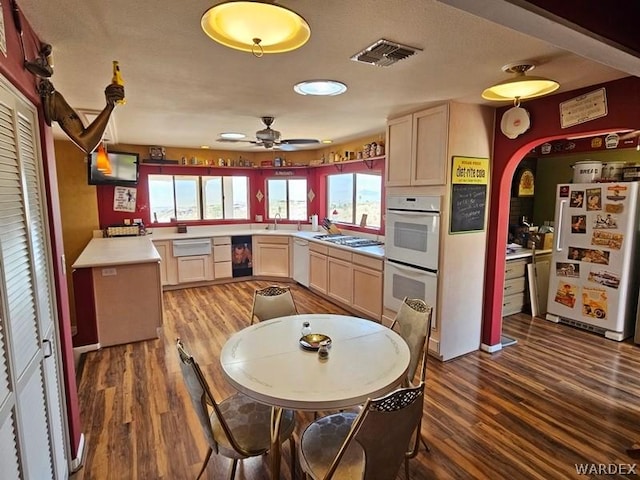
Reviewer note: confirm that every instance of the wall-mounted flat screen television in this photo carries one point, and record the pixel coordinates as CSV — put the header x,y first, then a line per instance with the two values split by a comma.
x,y
121,170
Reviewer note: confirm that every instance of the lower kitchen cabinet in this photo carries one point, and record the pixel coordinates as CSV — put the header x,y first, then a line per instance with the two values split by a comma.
x,y
318,279
367,285
271,256
340,272
222,258
168,265
513,299
195,268
350,279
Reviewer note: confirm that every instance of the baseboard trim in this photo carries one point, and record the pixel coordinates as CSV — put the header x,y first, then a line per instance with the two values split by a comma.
x,y
77,462
490,348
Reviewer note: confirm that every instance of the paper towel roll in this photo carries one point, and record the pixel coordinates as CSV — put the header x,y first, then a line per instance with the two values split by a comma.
x,y
314,223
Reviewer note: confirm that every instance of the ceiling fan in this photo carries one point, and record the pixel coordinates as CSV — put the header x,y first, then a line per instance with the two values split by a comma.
x,y
270,138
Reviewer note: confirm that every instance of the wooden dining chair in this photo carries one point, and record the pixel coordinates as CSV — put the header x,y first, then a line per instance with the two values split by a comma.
x,y
413,324
371,445
237,427
271,302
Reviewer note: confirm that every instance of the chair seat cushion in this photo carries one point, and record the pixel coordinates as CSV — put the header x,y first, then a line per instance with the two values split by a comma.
x,y
320,443
249,422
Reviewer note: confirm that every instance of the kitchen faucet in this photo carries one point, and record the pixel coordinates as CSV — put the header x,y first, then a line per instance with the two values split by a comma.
x,y
275,220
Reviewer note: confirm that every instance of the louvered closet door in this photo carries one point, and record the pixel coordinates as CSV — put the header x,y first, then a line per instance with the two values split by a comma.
x,y
33,391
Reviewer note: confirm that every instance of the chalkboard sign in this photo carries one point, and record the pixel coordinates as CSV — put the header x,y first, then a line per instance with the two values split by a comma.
x,y
468,202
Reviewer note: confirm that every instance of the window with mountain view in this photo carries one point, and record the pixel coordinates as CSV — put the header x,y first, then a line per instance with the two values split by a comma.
x,y
287,197
351,195
192,197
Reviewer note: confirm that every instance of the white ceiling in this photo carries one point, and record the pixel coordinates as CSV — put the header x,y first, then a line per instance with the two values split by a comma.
x,y
183,89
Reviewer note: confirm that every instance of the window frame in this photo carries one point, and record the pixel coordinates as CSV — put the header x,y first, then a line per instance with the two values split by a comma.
x,y
354,175
201,196
287,197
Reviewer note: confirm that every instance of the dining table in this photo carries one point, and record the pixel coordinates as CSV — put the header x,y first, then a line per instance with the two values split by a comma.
x,y
270,363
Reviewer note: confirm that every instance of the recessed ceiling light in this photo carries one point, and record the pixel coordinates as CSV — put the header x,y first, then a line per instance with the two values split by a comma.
x,y
327,141
320,87
232,135
205,147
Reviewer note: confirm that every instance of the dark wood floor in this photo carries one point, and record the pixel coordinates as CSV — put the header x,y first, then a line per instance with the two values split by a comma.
x,y
557,398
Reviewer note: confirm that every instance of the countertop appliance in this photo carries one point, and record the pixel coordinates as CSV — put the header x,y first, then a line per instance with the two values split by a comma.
x,y
593,280
301,261
411,250
348,241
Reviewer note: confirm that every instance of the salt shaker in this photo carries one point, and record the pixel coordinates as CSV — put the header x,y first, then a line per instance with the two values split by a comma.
x,y
323,351
306,329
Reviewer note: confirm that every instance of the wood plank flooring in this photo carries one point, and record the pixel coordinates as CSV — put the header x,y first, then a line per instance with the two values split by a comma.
x,y
559,397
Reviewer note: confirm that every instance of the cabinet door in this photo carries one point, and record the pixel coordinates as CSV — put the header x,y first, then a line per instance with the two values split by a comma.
x,y
340,284
318,271
196,268
168,264
272,260
430,140
367,291
399,154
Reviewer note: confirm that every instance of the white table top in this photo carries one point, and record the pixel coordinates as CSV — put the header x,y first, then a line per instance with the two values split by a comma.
x,y
266,362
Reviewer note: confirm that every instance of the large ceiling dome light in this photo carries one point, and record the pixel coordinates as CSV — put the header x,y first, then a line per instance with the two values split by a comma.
x,y
257,27
520,86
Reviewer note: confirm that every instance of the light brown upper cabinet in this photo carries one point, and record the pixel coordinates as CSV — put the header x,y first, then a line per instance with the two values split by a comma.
x,y
417,148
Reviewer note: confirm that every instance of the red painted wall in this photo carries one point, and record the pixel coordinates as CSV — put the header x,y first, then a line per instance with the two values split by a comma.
x,y
11,67
623,101
316,181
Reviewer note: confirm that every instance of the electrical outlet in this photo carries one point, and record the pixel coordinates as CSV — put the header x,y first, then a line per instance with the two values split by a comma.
x,y
137,220
109,272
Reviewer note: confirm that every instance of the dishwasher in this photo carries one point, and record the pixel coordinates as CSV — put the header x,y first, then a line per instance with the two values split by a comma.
x,y
301,261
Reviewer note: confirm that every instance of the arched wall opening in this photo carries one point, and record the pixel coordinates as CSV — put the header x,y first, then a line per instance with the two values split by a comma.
x,y
623,112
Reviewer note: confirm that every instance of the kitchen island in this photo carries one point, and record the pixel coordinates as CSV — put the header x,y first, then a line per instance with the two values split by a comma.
x,y
118,294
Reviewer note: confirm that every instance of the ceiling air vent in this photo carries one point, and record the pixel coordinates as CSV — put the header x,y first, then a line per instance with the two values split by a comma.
x,y
384,53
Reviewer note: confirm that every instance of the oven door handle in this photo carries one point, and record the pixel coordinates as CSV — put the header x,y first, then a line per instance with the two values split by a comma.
x,y
413,270
413,213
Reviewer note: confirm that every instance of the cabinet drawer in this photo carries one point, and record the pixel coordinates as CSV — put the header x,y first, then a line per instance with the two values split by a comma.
x,y
222,270
222,240
514,269
514,285
365,261
272,239
222,253
512,304
341,254
318,248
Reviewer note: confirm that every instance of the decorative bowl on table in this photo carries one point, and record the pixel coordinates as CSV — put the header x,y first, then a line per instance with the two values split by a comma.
x,y
313,341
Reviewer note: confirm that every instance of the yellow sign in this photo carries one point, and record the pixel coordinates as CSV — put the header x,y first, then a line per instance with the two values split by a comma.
x,y
469,170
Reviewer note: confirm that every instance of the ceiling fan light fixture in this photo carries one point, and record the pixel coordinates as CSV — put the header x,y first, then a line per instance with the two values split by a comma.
x,y
232,135
255,27
320,87
520,86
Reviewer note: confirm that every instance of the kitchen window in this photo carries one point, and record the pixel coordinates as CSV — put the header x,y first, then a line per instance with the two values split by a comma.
x,y
352,195
192,197
288,198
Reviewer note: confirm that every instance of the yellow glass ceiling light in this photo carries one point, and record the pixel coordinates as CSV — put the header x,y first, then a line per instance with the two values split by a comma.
x,y
520,86
257,27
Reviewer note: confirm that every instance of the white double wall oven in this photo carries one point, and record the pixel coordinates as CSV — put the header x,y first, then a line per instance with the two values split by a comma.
x,y
411,250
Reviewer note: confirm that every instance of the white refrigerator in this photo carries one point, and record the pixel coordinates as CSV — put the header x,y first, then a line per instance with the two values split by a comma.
x,y
593,276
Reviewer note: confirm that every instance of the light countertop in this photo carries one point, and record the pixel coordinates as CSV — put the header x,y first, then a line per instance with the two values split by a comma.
x,y
526,253
259,229
102,252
